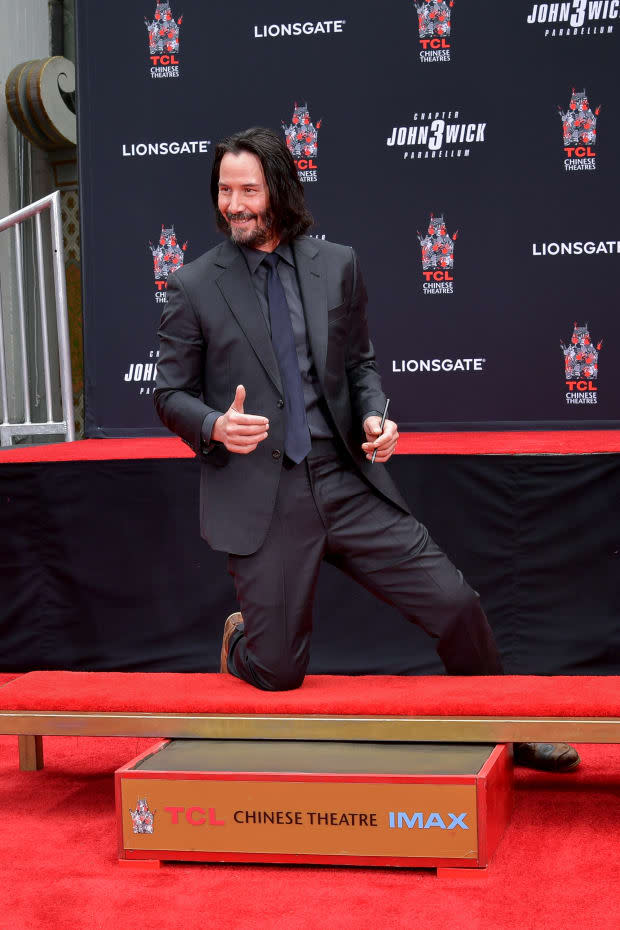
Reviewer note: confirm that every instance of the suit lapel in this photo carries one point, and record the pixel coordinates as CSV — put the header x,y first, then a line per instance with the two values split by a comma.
x,y
238,291
313,287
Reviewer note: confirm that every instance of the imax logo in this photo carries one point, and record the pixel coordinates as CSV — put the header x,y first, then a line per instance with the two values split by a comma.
x,y
400,819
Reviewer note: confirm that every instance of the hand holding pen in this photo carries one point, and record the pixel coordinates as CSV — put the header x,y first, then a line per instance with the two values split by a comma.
x,y
381,436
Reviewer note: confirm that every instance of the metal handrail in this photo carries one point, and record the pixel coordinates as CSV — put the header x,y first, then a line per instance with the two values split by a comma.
x,y
26,426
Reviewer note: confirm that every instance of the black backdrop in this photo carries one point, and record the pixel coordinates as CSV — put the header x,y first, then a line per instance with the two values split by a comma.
x,y
97,574
523,209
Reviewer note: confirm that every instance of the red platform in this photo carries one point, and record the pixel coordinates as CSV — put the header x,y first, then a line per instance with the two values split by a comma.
x,y
518,442
434,695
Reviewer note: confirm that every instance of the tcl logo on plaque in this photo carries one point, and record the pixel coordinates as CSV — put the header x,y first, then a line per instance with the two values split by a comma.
x,y
302,140
163,32
435,27
437,257
581,366
579,132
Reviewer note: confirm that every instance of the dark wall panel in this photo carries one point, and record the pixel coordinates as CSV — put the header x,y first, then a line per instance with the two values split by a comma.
x,y
531,216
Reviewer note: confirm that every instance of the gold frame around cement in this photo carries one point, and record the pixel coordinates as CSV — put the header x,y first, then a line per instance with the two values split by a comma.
x,y
376,728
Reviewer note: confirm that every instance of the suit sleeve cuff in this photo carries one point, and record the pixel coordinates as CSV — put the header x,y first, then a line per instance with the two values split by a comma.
x,y
372,413
207,428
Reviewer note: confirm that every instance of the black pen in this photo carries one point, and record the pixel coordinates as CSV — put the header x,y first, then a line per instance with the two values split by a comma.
x,y
387,404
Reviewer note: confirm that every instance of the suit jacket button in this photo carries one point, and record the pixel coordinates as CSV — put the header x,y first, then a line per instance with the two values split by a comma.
x,y
276,454
280,402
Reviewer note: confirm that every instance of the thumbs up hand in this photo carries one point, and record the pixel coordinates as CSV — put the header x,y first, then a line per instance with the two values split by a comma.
x,y
239,400
240,432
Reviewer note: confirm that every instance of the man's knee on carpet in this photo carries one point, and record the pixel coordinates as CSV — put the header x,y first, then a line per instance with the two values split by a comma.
x,y
279,680
278,673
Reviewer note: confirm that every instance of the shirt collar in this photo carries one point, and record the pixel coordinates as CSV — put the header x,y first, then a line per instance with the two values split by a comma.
x,y
254,256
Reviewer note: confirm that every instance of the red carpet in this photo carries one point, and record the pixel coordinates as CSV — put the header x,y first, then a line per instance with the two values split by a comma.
x,y
557,867
163,692
556,442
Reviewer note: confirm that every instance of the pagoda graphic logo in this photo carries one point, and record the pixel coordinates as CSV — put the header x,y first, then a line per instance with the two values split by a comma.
x,y
437,257
142,818
581,366
579,130
302,140
168,257
163,33
435,27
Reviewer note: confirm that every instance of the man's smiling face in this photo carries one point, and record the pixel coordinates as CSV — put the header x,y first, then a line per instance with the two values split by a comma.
x,y
243,201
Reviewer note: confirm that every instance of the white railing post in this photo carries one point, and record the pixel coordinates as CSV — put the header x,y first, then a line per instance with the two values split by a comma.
x,y
27,427
60,288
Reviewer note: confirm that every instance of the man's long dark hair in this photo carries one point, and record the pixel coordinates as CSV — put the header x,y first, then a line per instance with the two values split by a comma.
x,y
291,217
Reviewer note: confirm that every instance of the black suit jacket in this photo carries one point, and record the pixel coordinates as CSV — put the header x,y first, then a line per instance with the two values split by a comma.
x,y
213,337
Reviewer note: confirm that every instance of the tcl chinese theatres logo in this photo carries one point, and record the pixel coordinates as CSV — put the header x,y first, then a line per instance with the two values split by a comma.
x,y
163,31
302,140
437,257
168,257
579,132
581,366
435,27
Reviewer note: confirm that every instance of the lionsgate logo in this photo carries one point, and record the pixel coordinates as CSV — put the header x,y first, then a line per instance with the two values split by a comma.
x,y
579,132
437,257
439,134
581,366
324,27
602,247
163,32
435,365
575,18
180,147
302,140
435,28
168,257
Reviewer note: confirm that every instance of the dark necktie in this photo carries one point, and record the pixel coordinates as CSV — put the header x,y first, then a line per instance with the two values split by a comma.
x,y
297,434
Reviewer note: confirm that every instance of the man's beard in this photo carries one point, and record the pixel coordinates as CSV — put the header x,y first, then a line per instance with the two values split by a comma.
x,y
252,236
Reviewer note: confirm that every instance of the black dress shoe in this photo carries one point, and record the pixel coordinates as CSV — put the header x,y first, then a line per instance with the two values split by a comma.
x,y
549,757
233,624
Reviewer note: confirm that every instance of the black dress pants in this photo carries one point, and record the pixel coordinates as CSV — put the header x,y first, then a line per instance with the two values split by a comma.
x,y
325,510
